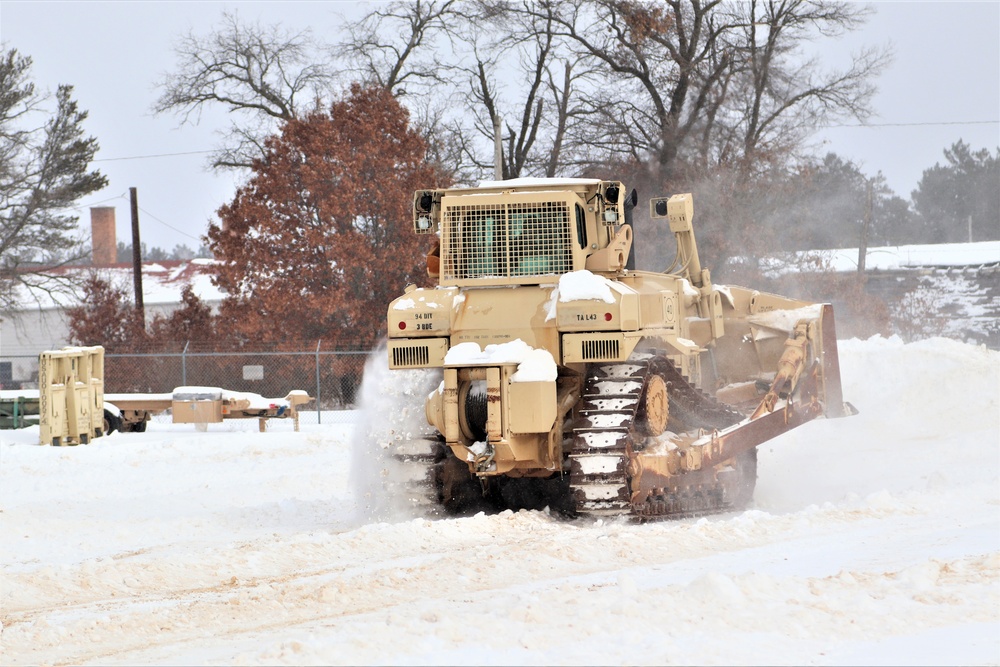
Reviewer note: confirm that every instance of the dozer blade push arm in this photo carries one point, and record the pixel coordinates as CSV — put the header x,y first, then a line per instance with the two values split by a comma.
x,y
806,385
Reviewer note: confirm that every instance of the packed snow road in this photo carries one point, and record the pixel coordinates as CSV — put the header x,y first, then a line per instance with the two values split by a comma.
x,y
873,540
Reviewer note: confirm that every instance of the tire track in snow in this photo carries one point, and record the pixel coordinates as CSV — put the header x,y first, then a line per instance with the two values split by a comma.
x,y
484,556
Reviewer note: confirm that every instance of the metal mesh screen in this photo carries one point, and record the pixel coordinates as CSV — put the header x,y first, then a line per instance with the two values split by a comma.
x,y
505,241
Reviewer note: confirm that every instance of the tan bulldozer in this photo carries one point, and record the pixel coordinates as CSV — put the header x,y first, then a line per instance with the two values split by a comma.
x,y
570,380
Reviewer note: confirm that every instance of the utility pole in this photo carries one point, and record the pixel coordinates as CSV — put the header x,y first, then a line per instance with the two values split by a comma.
x,y
497,150
866,224
137,258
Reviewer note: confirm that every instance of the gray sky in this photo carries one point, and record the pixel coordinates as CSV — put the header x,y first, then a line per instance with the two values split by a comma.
x,y
946,72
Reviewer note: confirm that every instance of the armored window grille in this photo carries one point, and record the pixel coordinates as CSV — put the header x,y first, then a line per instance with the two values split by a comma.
x,y
506,241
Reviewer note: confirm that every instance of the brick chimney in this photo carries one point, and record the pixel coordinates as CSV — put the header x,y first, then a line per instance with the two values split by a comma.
x,y
102,231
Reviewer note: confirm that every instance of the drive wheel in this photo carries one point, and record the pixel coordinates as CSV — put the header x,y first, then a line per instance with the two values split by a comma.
x,y
654,409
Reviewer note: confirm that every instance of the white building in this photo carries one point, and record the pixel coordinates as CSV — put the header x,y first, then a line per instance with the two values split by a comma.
x,y
42,324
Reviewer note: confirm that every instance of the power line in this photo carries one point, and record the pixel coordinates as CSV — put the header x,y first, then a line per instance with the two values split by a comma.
x,y
81,208
956,122
168,226
145,157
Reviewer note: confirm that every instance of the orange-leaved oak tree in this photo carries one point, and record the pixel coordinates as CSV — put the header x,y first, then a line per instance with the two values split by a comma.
x,y
320,239
105,316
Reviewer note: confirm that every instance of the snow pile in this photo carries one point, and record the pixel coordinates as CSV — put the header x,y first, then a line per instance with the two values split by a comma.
x,y
580,286
785,320
533,365
583,286
409,303
530,181
874,539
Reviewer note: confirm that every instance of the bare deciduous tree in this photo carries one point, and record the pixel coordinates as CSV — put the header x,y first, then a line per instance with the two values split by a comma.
x,y
398,45
534,101
657,72
261,74
777,97
668,90
698,82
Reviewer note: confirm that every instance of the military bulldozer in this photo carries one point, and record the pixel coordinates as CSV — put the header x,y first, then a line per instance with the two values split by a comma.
x,y
570,380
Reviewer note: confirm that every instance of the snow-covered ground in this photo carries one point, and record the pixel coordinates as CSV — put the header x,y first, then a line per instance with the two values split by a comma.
x,y
874,540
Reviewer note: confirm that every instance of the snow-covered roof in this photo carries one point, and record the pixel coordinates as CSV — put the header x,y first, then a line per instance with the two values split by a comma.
x,y
529,182
162,282
942,254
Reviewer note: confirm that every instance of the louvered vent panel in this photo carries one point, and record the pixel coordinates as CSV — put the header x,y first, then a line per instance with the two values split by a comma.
x,y
415,355
596,350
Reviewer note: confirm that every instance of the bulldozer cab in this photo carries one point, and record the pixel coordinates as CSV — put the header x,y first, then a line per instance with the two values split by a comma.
x,y
524,231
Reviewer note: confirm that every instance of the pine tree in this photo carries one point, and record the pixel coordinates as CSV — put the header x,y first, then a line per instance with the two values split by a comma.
x,y
43,172
960,199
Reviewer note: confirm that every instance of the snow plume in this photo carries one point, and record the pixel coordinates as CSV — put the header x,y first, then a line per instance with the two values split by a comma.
x,y
392,411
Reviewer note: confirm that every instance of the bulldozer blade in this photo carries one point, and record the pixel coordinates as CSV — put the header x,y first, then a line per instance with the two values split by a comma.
x,y
832,389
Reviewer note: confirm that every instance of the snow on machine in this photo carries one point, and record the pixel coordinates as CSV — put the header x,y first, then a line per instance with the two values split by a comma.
x,y
570,380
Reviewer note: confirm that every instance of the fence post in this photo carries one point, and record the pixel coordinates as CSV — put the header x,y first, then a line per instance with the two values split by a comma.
x,y
319,412
184,366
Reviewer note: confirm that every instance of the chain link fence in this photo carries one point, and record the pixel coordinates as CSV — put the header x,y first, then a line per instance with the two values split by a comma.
x,y
331,377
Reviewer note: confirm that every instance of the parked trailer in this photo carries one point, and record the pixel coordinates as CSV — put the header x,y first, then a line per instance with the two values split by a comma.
x,y
73,409
188,405
201,406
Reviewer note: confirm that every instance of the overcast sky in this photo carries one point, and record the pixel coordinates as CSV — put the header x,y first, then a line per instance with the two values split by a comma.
x,y
944,85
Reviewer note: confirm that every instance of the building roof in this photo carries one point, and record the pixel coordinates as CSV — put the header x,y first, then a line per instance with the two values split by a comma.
x,y
162,283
